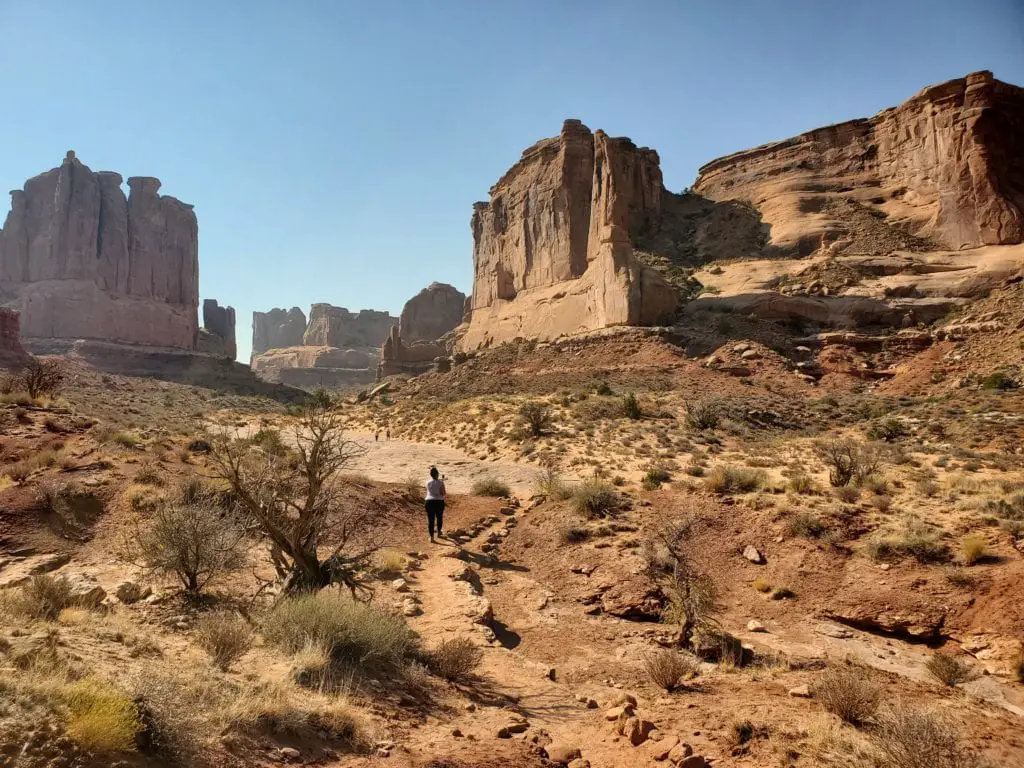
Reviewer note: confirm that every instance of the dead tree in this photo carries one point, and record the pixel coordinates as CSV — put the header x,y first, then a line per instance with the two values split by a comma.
x,y
294,498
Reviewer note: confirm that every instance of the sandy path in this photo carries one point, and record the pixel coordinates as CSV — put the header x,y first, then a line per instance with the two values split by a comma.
x,y
394,461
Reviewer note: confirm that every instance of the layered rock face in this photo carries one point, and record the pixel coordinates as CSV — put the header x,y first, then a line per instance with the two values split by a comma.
x,y
217,336
11,352
81,260
337,348
331,326
432,313
946,166
276,329
553,249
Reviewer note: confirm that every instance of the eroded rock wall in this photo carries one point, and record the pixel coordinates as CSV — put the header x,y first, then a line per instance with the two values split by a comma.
x,y
946,166
81,260
432,313
217,336
553,248
12,353
331,326
276,329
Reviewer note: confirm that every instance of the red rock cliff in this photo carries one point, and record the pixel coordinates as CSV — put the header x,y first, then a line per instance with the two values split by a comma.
x,y
947,166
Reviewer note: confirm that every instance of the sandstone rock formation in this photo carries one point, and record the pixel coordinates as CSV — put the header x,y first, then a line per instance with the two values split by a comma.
x,y
553,249
337,348
331,326
11,352
276,329
946,166
398,357
432,313
80,260
217,336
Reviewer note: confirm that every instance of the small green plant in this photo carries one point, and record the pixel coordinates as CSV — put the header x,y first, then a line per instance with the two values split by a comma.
x,y
127,440
887,430
807,525
801,483
490,486
595,498
656,475
947,669
998,381
149,474
574,534
703,414
631,407
101,718
603,390
914,538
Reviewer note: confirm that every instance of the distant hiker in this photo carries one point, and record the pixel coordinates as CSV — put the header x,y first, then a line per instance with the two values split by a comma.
x,y
434,503
376,437
389,433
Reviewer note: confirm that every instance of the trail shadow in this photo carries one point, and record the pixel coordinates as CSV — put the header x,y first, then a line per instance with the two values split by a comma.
x,y
486,692
490,561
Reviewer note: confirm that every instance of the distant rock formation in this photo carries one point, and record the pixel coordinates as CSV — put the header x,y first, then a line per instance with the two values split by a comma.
x,y
946,166
276,329
82,261
432,313
331,326
420,357
337,348
12,354
217,336
553,249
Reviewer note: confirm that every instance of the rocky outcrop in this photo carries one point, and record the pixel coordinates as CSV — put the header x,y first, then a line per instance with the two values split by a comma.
x,y
331,326
553,249
432,313
337,348
81,260
397,357
276,329
217,336
11,352
946,166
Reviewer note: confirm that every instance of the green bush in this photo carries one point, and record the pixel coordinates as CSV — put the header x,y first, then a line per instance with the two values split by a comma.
x,y
490,486
536,416
727,479
915,539
595,498
631,407
655,476
352,634
702,414
998,381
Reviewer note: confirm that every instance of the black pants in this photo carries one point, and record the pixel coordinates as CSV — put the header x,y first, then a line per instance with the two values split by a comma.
x,y
435,512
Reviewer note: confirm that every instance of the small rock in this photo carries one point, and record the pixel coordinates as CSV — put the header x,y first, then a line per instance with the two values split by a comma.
x,y
457,733
679,753
885,566
637,730
579,762
592,704
86,592
400,585
562,753
617,712
756,626
551,673
752,554
129,592
470,707
660,750
287,753
693,761
750,354
622,699
800,692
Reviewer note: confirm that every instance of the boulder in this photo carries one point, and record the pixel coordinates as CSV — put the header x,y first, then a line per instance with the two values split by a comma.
x,y
636,730
679,753
562,753
660,750
131,592
85,591
753,554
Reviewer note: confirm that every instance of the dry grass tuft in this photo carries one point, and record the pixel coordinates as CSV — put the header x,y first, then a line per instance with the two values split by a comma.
x,y
948,670
973,549
101,717
668,669
725,479
913,738
595,498
491,486
848,694
225,636
455,660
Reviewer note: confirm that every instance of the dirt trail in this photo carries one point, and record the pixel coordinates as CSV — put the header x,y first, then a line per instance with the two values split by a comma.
x,y
394,461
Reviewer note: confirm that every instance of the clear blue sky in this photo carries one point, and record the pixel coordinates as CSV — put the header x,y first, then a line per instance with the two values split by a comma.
x,y
333,149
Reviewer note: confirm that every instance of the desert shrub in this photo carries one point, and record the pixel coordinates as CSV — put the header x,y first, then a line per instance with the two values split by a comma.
x,y
972,549
491,486
781,593
915,538
225,636
149,474
195,542
19,471
573,534
998,381
390,561
741,731
551,485
43,597
595,498
536,416
667,669
41,377
270,441
848,461
849,694
101,718
455,660
762,585
960,577
631,407
703,414
655,475
801,482
913,738
694,469
847,494
729,479
603,389
126,440
353,634
947,669
888,430
807,525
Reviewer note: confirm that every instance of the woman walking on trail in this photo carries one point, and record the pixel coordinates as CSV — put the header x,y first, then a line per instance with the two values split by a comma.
x,y
434,503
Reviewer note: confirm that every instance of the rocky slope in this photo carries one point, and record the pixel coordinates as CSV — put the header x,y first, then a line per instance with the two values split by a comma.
x,y
79,259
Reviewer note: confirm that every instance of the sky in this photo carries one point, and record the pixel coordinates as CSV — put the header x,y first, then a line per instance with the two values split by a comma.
x,y
333,149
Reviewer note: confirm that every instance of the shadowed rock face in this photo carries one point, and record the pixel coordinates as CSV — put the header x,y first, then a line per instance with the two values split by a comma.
x,y
276,329
80,260
331,326
432,313
553,249
11,351
219,324
947,165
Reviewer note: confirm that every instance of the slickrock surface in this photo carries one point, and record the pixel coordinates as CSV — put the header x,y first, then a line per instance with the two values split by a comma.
x,y
81,260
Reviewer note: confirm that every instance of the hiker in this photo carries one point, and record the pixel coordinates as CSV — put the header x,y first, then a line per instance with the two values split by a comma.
x,y
376,437
389,433
434,503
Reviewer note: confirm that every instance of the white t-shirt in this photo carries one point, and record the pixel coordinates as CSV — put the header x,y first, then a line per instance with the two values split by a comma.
x,y
435,490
